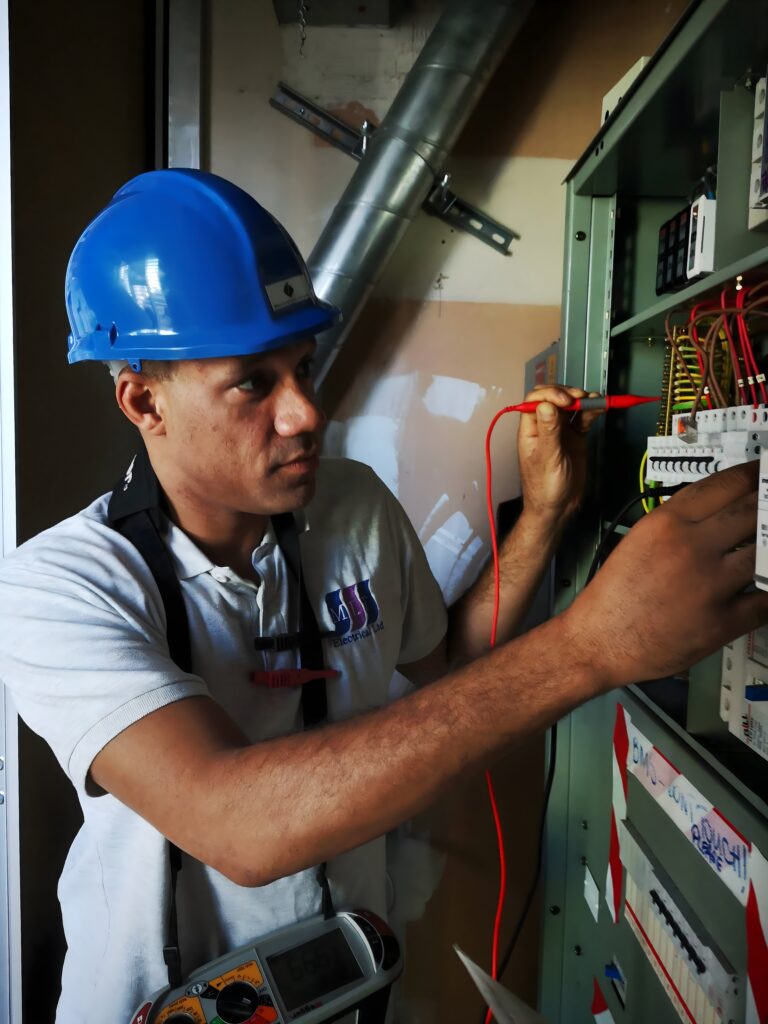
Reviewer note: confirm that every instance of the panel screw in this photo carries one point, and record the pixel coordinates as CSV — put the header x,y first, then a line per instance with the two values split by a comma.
x,y
580,236
585,824
554,910
577,950
583,861
566,583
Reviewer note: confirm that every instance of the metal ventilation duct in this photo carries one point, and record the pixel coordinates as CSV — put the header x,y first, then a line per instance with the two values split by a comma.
x,y
406,154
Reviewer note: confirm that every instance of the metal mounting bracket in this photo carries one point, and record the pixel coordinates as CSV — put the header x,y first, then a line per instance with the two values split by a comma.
x,y
441,202
459,213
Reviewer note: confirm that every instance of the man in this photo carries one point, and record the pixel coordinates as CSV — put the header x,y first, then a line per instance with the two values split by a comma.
x,y
204,309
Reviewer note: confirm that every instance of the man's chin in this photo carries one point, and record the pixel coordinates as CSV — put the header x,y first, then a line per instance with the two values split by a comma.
x,y
295,497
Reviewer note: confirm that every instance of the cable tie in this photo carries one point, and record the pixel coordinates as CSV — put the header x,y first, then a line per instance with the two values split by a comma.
x,y
760,378
750,380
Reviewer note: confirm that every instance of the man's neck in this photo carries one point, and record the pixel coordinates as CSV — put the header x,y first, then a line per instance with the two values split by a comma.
x,y
227,538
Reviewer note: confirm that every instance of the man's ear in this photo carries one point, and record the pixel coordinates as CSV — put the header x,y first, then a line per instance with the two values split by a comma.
x,y
139,399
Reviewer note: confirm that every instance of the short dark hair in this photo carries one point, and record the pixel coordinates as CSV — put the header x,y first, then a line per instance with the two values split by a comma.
x,y
159,369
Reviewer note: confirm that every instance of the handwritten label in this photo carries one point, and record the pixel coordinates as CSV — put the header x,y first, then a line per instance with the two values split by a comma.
x,y
710,834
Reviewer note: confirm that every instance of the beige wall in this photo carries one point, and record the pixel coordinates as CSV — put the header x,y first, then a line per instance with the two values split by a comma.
x,y
442,344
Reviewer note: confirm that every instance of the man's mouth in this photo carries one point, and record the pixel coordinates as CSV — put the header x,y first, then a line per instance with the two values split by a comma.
x,y
303,462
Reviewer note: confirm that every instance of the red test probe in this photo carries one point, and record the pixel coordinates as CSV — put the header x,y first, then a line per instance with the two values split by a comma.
x,y
602,402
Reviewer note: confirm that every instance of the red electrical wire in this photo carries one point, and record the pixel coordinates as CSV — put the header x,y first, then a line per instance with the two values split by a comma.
x,y
737,372
488,779
746,347
693,331
752,367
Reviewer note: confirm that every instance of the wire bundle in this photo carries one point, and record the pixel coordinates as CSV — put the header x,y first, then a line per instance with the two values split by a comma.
x,y
710,360
714,362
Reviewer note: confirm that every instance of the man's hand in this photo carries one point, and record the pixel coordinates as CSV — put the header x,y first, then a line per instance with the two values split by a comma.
x,y
552,451
675,588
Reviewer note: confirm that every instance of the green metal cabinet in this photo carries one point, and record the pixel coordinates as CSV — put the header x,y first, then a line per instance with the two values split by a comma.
x,y
691,107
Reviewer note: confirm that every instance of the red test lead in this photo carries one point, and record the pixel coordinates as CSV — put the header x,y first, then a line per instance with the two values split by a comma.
x,y
602,402
281,678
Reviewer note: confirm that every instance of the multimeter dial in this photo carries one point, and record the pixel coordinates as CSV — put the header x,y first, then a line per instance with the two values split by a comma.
x,y
238,1002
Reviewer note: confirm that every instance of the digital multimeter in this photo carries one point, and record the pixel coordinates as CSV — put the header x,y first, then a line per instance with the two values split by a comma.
x,y
314,971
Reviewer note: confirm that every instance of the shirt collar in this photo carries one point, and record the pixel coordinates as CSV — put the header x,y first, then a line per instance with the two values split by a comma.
x,y
189,561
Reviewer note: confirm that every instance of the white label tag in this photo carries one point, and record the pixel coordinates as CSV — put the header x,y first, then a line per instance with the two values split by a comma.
x,y
288,292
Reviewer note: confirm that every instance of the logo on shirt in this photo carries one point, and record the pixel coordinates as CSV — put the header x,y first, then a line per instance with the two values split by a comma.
x,y
354,613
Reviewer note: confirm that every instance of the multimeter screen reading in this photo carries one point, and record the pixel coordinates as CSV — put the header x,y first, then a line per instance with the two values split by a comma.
x,y
314,969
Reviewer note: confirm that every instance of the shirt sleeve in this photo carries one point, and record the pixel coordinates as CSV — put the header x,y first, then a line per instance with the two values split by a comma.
x,y
83,648
425,618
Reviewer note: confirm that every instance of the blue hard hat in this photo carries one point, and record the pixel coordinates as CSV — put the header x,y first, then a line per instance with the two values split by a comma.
x,y
183,264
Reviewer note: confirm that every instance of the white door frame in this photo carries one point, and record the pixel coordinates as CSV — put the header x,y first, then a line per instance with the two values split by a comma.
x,y
10,887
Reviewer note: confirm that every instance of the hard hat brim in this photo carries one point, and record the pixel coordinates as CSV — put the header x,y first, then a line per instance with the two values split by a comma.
x,y
236,340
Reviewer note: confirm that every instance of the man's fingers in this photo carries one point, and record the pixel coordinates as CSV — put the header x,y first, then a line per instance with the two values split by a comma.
x,y
558,394
737,570
733,525
548,422
584,420
707,497
747,612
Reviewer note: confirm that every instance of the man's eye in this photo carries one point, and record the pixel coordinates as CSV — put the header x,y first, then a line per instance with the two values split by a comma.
x,y
255,385
305,367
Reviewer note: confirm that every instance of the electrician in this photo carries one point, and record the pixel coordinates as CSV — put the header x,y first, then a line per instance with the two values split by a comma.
x,y
202,306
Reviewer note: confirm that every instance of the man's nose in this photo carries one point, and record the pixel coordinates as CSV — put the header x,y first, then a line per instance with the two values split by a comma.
x,y
297,411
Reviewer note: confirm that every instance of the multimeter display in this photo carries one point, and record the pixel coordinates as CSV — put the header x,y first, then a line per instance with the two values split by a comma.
x,y
314,969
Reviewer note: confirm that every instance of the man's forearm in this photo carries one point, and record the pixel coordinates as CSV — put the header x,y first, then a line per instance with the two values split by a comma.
x,y
306,798
523,559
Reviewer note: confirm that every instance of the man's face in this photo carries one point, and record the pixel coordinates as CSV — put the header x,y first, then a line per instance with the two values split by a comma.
x,y
242,434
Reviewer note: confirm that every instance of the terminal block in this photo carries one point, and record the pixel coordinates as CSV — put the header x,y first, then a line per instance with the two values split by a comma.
x,y
699,981
711,440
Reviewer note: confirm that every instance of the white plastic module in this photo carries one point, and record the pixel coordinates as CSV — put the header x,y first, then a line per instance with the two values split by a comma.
x,y
701,238
715,439
744,684
758,182
614,96
761,539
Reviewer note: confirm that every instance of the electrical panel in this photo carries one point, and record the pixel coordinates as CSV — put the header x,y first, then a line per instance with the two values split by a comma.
x,y
660,799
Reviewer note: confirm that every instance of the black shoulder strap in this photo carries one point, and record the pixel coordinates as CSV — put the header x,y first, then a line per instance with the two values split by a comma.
x,y
314,703
135,510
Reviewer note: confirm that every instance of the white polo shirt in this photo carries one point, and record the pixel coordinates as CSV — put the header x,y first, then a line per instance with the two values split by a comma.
x,y
83,648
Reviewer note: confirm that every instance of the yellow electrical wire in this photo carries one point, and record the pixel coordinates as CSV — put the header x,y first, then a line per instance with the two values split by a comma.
x,y
646,507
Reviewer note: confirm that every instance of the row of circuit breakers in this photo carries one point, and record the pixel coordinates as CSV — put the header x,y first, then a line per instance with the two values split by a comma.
x,y
721,438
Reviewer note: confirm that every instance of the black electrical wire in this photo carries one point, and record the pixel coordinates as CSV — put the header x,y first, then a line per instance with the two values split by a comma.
x,y
656,492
